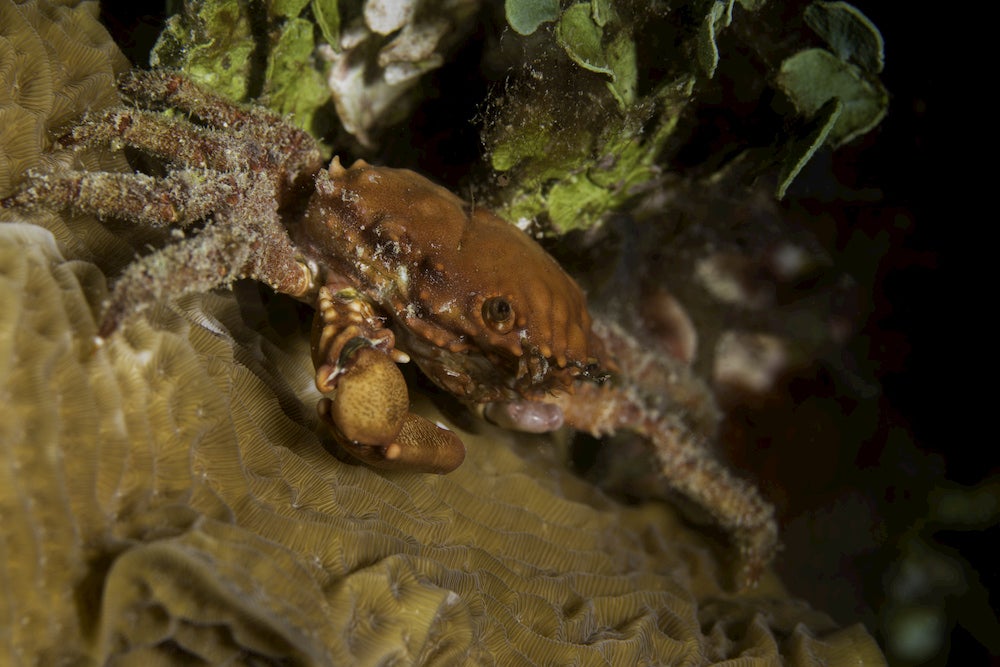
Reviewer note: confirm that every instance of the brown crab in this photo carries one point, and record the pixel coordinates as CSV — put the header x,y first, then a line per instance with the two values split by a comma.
x,y
398,268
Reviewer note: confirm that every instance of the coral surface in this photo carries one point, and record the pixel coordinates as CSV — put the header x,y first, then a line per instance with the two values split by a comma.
x,y
56,61
166,496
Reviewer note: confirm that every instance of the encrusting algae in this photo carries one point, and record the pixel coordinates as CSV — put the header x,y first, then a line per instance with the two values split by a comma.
x,y
166,497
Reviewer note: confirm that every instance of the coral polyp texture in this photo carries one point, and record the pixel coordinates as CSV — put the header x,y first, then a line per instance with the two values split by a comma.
x,y
55,62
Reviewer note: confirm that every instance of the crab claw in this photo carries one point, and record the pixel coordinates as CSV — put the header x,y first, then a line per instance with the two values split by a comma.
x,y
420,447
368,413
370,400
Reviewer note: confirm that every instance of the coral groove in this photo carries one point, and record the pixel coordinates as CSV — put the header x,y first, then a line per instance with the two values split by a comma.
x,y
168,485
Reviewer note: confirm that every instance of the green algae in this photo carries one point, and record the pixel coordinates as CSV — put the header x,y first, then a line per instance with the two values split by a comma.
x,y
624,159
571,153
232,46
584,120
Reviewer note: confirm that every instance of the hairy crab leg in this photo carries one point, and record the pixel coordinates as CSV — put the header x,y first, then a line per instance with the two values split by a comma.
x,y
366,402
163,88
687,464
179,198
294,148
260,250
192,265
172,139
662,401
270,145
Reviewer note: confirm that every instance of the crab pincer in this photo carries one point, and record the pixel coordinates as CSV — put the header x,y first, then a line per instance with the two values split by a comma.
x,y
365,401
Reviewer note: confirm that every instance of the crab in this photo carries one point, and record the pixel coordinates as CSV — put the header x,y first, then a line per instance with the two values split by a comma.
x,y
398,269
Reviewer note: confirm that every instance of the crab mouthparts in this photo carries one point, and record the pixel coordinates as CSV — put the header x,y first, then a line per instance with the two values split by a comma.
x,y
543,369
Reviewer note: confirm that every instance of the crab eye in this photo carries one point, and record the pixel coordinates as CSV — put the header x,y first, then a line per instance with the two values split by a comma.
x,y
498,314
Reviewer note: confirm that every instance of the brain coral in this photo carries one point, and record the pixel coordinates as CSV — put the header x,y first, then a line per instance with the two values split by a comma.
x,y
56,61
166,496
165,499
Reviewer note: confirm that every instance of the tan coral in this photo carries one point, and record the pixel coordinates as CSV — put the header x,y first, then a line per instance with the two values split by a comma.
x,y
177,495
56,61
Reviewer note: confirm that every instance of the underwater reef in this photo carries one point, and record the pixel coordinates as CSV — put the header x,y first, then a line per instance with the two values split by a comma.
x,y
165,498
169,498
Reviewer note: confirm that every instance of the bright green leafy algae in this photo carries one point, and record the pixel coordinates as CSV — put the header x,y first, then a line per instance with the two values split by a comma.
x,y
719,16
570,153
327,16
624,160
581,37
213,41
812,77
585,41
209,40
288,8
799,152
585,120
848,33
294,84
525,16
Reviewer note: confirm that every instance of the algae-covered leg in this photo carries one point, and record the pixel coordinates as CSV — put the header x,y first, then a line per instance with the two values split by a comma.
x,y
166,88
734,504
172,139
247,240
191,265
366,403
689,467
289,158
218,254
180,198
283,143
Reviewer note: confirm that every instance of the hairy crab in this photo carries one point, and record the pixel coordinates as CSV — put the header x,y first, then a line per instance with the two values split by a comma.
x,y
398,268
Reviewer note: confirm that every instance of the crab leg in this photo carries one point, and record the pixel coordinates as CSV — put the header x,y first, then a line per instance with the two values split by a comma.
x,y
152,133
366,402
259,249
192,265
282,143
180,198
687,464
279,148
165,88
